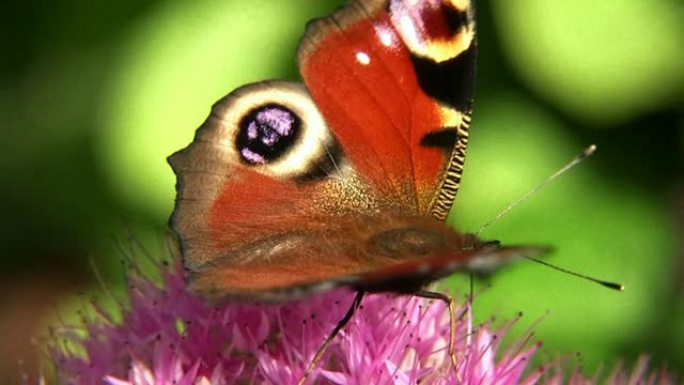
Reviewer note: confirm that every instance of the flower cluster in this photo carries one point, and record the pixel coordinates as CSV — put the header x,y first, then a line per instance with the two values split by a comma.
x,y
170,336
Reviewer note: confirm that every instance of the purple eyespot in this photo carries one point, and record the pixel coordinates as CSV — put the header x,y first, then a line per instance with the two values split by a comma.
x,y
266,133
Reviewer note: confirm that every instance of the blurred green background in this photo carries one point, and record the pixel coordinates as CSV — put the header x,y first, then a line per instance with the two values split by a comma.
x,y
95,95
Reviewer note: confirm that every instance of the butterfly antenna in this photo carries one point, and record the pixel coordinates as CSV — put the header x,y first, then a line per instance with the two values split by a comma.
x,y
587,152
608,284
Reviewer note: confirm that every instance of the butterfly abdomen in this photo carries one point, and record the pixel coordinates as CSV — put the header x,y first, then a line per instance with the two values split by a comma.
x,y
415,239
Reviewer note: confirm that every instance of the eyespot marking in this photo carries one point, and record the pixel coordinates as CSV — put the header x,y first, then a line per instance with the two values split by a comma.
x,y
436,30
273,127
444,22
455,18
266,133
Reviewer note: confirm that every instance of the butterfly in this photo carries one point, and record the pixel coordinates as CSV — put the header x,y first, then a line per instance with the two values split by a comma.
x,y
345,180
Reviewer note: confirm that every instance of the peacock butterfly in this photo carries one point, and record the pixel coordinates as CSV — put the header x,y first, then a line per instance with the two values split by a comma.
x,y
345,180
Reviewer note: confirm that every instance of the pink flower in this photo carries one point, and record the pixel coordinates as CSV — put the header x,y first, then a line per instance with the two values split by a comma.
x,y
170,336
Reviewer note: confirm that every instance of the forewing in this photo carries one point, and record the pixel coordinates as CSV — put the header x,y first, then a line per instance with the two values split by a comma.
x,y
394,80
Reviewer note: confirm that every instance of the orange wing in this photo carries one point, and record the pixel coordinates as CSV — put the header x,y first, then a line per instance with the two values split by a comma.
x,y
394,80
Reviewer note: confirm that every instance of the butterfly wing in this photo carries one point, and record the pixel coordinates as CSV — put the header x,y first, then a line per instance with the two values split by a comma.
x,y
394,80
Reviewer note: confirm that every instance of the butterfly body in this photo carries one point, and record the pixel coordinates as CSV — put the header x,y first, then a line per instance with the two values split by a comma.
x,y
356,253
345,180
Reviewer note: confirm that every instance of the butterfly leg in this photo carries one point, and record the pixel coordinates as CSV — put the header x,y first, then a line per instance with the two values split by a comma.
x,y
343,322
452,319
